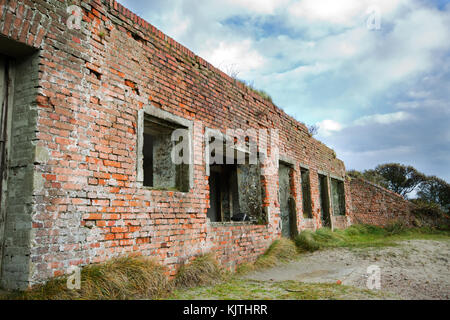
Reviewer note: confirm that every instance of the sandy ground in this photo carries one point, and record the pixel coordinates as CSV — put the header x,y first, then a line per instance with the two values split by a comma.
x,y
416,269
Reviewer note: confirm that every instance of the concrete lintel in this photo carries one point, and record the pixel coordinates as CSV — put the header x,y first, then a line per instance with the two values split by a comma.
x,y
165,115
287,160
332,176
304,166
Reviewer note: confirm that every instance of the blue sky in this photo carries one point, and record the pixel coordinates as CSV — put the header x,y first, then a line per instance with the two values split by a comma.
x,y
378,95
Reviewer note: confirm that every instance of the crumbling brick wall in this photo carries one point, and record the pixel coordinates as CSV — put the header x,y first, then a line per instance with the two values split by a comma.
x,y
86,205
375,205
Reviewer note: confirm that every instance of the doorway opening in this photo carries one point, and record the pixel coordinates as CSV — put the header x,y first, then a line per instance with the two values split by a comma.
x,y
324,201
338,196
306,194
4,127
288,212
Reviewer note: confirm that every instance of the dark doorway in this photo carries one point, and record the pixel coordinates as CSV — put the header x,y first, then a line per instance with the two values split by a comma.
x,y
306,194
338,196
324,201
4,89
288,212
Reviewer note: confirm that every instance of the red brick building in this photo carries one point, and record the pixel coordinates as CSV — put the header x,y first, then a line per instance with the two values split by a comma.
x,y
87,119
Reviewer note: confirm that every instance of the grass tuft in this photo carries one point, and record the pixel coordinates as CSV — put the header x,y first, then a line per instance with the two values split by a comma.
x,y
281,250
306,241
204,270
118,279
245,268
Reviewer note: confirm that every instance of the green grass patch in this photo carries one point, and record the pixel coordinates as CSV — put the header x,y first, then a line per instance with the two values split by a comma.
x,y
364,236
239,289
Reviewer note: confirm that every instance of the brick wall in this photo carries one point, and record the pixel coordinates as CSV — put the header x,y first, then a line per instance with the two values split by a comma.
x,y
375,205
86,204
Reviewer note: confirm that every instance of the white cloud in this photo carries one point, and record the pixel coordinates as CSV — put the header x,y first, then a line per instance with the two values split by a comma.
x,y
419,94
240,55
328,127
408,104
259,6
387,118
342,12
384,153
326,10
442,104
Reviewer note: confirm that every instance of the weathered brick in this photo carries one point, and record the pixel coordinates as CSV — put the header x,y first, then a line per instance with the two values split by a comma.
x,y
75,146
375,205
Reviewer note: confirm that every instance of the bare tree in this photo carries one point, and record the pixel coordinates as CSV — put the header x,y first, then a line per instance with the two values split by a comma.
x,y
313,129
230,69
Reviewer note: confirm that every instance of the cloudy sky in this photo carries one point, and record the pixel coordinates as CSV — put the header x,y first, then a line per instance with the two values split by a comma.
x,y
373,74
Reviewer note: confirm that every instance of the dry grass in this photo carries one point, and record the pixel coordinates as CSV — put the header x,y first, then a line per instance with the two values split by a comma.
x,y
127,278
142,278
203,270
118,279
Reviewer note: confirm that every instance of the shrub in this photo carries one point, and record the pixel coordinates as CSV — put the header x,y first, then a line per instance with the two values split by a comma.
x,y
396,227
425,208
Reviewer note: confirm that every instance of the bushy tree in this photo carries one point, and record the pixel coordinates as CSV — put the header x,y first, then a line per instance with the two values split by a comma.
x,y
399,178
405,179
434,189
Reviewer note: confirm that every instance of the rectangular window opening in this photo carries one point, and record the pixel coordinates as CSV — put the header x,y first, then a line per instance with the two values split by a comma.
x,y
235,191
159,169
